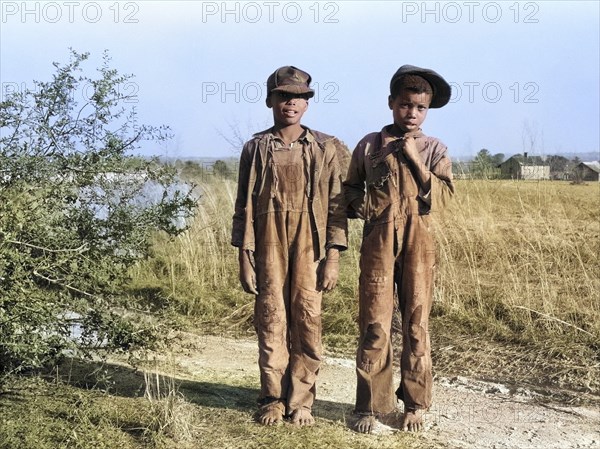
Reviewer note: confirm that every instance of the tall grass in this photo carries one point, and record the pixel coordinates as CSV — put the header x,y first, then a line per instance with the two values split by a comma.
x,y
197,271
519,268
517,263
524,256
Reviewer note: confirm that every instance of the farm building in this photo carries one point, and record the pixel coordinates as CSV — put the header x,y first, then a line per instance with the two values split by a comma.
x,y
523,167
587,171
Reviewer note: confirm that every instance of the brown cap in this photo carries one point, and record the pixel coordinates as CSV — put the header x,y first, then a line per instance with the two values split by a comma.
x,y
441,89
290,79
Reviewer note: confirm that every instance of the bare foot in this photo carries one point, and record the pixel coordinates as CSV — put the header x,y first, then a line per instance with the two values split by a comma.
x,y
412,420
365,424
270,414
302,417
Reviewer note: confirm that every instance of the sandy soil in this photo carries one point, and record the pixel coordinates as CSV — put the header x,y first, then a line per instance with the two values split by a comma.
x,y
466,413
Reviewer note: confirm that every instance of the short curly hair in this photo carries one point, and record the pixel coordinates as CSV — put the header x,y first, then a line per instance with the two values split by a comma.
x,y
413,83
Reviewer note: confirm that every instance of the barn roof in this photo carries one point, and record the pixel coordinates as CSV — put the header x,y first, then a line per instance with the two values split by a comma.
x,y
593,165
530,160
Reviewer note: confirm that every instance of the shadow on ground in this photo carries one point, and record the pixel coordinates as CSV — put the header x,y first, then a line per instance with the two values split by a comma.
x,y
120,380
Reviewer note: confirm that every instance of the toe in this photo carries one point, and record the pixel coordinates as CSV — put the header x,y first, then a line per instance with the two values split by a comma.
x,y
302,417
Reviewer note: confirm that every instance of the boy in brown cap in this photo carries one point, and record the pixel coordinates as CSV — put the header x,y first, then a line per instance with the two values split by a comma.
x,y
289,225
397,178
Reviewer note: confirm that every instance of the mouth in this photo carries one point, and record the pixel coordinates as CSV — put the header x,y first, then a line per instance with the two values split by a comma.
x,y
290,112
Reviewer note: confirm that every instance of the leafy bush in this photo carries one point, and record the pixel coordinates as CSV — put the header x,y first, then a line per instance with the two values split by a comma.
x,y
77,209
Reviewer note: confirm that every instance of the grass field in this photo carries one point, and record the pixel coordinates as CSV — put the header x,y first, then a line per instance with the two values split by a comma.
x,y
517,265
516,300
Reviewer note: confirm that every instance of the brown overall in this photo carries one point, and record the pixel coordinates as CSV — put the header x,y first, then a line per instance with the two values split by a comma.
x,y
288,308
293,191
397,251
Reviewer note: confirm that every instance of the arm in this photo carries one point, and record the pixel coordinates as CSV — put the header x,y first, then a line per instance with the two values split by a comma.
x,y
442,186
434,178
247,273
419,169
337,223
239,215
354,184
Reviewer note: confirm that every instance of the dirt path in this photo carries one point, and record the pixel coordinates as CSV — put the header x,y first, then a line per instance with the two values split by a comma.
x,y
466,413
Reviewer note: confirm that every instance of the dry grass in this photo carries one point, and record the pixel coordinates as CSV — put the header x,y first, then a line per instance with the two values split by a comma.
x,y
524,258
524,253
518,266
197,272
519,283
46,414
516,300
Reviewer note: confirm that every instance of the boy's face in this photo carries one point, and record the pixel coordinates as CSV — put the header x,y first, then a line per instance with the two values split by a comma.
x,y
409,109
288,108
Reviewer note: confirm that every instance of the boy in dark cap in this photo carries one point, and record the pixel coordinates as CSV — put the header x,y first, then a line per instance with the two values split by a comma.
x,y
397,178
289,225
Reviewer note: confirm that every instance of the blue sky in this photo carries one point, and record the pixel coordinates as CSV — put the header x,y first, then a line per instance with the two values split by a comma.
x,y
520,71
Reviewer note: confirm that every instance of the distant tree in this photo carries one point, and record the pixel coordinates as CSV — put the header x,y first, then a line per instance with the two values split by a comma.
x,y
557,163
77,209
220,169
483,164
483,155
191,171
497,159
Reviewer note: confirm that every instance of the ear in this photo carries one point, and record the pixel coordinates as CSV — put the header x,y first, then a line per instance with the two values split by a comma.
x,y
390,102
269,102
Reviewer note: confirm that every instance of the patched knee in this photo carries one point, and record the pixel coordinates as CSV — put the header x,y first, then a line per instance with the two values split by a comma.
x,y
269,320
375,337
373,344
310,330
417,334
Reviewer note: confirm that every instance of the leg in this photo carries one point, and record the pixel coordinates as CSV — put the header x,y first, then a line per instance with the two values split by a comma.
x,y
374,369
270,320
305,326
415,284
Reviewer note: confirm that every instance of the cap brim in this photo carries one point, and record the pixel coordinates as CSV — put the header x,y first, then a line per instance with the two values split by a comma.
x,y
309,93
441,89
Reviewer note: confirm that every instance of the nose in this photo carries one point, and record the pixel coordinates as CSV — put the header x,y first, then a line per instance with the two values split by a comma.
x,y
412,111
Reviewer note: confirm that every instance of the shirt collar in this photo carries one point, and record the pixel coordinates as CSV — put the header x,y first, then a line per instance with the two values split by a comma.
x,y
387,137
305,137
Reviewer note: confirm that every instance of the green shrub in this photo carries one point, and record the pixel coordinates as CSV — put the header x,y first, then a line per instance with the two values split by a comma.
x,y
77,209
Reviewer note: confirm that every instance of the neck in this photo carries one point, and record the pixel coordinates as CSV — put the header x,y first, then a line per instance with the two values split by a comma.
x,y
289,133
395,130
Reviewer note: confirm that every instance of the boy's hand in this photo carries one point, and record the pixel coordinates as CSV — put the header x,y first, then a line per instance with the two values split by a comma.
x,y
411,152
410,149
247,272
329,270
